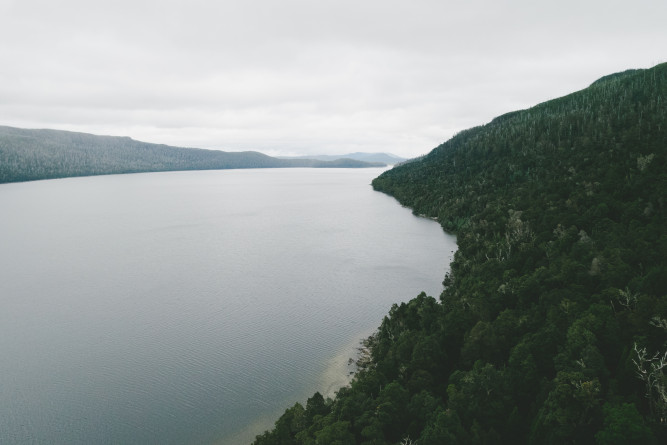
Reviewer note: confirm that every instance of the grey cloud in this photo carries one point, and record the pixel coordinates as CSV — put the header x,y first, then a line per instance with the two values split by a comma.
x,y
302,76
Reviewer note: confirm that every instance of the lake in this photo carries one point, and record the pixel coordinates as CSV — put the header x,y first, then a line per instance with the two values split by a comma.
x,y
194,307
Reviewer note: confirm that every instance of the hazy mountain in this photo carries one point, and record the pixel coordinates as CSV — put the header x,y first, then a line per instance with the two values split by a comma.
x,y
27,155
385,158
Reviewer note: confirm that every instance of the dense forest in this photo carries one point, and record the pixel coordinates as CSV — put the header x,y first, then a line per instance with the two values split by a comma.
x,y
27,155
552,327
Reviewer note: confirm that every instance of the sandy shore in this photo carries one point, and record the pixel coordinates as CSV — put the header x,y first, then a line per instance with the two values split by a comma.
x,y
340,368
338,373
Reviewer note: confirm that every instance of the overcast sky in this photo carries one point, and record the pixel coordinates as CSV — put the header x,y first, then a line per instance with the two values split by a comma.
x,y
307,76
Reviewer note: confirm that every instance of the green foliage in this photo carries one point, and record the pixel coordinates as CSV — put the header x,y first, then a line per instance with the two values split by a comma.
x,y
551,328
570,412
623,425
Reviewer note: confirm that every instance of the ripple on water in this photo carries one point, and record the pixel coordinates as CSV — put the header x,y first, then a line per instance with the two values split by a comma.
x,y
187,307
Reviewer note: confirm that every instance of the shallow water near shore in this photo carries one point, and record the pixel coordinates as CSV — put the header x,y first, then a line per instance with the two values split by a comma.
x,y
194,307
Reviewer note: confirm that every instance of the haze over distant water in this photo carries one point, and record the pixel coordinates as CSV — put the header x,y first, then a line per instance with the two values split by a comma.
x,y
182,307
386,158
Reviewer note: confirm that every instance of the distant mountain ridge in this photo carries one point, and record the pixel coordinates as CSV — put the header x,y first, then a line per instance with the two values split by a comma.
x,y
386,158
28,155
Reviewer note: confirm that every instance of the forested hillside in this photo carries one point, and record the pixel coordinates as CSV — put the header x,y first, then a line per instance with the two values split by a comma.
x,y
27,155
552,327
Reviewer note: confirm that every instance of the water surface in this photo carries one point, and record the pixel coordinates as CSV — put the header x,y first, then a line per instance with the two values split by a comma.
x,y
193,307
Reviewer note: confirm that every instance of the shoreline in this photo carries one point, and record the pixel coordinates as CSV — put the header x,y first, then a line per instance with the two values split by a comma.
x,y
341,367
338,372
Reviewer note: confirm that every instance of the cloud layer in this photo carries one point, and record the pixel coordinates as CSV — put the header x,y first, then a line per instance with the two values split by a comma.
x,y
300,77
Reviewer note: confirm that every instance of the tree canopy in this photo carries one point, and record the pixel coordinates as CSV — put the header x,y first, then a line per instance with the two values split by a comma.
x,y
552,327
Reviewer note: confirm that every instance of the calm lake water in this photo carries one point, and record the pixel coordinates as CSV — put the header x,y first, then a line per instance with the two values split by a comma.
x,y
193,307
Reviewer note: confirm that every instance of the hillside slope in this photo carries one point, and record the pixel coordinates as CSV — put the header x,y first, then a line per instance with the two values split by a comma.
x,y
27,155
553,324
